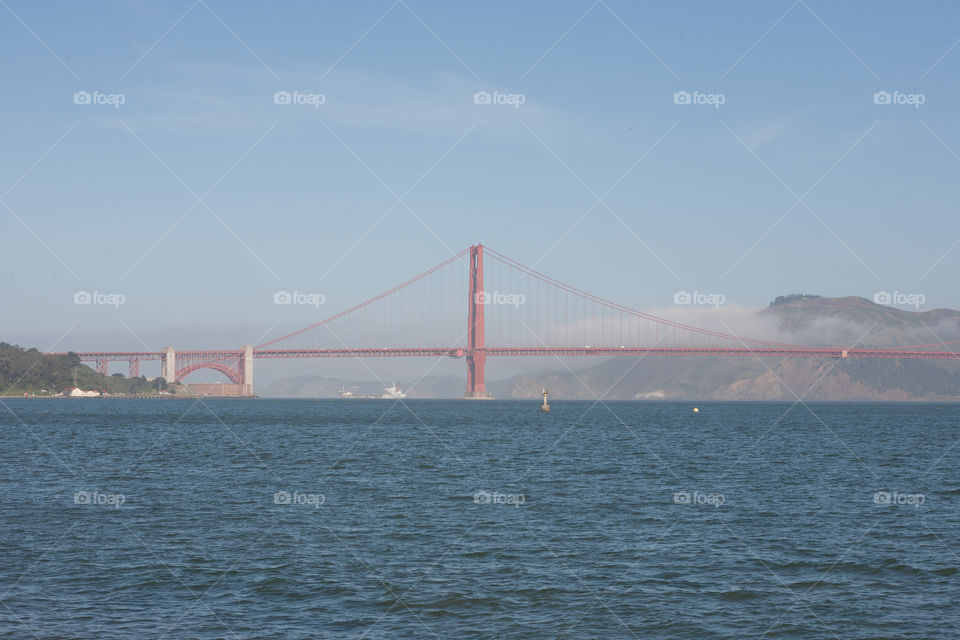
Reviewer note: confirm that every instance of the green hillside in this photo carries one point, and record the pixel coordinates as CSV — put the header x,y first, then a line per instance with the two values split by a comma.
x,y
30,371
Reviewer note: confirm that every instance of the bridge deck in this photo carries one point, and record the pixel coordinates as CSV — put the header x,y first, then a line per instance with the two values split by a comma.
x,y
459,352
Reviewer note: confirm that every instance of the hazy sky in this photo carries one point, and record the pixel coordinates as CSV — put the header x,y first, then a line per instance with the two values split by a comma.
x,y
196,196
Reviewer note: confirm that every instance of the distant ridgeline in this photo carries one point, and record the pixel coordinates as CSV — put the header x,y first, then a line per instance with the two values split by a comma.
x,y
29,371
779,300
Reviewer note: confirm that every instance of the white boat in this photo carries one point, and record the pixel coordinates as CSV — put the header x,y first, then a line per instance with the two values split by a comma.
x,y
393,392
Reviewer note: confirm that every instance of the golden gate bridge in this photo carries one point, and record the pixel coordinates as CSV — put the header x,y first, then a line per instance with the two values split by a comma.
x,y
510,310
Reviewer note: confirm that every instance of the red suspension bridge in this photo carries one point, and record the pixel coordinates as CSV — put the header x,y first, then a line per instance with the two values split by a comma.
x,y
511,310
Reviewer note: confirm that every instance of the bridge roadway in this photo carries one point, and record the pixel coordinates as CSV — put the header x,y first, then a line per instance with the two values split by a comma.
x,y
459,352
237,365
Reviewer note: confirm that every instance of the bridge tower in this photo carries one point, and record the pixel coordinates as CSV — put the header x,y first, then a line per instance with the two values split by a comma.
x,y
168,369
476,349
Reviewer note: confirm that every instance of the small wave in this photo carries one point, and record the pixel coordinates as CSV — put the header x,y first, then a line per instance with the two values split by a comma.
x,y
601,472
895,565
736,594
810,584
450,604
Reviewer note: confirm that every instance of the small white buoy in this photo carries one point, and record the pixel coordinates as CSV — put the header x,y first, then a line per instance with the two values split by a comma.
x,y
696,409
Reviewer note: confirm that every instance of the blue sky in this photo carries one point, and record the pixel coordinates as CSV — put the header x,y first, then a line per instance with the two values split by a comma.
x,y
799,181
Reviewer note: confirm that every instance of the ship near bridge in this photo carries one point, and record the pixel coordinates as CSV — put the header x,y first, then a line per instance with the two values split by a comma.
x,y
392,392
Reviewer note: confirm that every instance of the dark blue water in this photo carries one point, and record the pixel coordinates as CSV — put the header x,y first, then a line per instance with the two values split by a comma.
x,y
168,519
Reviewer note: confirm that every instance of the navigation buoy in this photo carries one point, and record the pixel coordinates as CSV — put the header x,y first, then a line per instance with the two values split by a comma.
x,y
544,407
696,410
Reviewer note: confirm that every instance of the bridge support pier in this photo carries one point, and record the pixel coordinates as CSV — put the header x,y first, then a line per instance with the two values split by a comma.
x,y
168,370
134,368
246,370
476,385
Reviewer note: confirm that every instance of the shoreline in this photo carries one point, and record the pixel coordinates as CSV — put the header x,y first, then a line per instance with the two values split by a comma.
x,y
122,397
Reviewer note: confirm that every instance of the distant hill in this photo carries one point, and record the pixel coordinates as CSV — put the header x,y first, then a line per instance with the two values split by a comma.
x,y
29,371
805,320
747,379
797,319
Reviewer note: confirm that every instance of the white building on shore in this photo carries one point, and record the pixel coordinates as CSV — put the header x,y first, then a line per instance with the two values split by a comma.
x,y
76,392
